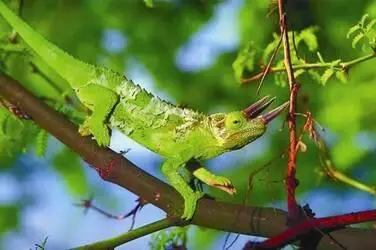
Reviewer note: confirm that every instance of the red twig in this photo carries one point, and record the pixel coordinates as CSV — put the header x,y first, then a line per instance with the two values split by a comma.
x,y
88,204
291,181
325,224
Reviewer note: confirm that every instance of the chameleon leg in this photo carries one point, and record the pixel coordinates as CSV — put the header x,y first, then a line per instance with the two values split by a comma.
x,y
171,170
213,180
101,102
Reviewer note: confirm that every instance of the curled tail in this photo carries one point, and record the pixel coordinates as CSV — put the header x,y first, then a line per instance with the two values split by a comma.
x,y
74,71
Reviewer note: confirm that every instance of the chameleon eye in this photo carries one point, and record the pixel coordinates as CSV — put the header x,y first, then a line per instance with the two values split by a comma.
x,y
236,122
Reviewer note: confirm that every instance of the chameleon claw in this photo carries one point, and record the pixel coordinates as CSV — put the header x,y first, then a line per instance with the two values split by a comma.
x,y
228,189
190,203
97,129
223,184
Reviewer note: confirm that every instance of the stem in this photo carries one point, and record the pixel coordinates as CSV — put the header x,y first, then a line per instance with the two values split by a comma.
x,y
126,237
332,172
356,61
344,65
291,181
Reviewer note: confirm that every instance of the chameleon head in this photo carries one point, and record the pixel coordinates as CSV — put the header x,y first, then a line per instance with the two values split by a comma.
x,y
236,129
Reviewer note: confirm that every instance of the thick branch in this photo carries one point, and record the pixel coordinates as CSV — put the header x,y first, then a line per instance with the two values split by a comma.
x,y
249,220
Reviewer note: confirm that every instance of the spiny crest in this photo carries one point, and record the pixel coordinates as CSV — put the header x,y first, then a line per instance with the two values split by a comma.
x,y
157,112
128,91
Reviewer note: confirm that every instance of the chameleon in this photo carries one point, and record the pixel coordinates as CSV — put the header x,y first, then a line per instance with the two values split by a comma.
x,y
179,135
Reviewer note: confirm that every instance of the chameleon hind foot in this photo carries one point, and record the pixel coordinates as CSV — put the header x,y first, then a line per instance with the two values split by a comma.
x,y
190,203
99,130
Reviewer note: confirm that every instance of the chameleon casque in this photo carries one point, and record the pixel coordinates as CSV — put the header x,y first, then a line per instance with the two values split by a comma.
x,y
177,134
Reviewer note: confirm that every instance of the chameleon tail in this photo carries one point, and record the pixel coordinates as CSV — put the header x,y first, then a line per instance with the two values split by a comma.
x,y
71,69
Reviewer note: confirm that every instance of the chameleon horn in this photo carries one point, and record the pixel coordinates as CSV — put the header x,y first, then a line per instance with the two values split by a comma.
x,y
255,109
275,112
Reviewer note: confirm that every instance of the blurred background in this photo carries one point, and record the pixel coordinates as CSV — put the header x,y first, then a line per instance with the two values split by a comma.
x,y
183,51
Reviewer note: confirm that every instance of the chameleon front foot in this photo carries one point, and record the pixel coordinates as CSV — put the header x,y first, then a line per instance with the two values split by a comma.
x,y
210,179
223,184
97,129
190,203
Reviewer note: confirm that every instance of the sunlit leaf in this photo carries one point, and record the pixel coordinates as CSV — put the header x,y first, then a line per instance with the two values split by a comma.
x,y
342,76
352,30
149,3
244,61
356,39
327,74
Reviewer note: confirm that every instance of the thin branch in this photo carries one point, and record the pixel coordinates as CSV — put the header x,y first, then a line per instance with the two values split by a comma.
x,y
129,236
325,224
88,204
343,66
257,221
266,70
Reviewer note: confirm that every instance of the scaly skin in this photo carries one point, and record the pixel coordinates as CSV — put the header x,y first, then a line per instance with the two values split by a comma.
x,y
179,135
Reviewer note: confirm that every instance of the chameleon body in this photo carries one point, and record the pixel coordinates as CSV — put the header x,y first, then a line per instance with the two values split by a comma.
x,y
177,134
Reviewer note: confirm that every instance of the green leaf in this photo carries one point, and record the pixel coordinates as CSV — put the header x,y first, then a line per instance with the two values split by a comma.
x,y
308,36
314,75
68,165
269,49
165,239
342,76
327,74
298,72
352,30
244,60
370,24
41,143
356,39
149,3
363,19
8,218
320,57
280,79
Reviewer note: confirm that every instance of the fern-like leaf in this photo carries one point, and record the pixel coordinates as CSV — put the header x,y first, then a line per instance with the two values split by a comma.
x,y
41,143
356,39
244,61
327,74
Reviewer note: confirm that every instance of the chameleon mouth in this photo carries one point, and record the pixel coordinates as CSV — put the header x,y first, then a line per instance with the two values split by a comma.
x,y
254,110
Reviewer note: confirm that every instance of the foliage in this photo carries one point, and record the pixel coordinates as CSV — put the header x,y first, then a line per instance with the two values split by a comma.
x,y
154,37
175,238
365,30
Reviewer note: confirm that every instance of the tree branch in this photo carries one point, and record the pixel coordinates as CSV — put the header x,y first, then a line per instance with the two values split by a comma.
x,y
129,236
258,221
342,66
291,182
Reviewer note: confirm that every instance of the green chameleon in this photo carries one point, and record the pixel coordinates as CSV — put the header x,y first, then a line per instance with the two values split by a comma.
x,y
177,134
